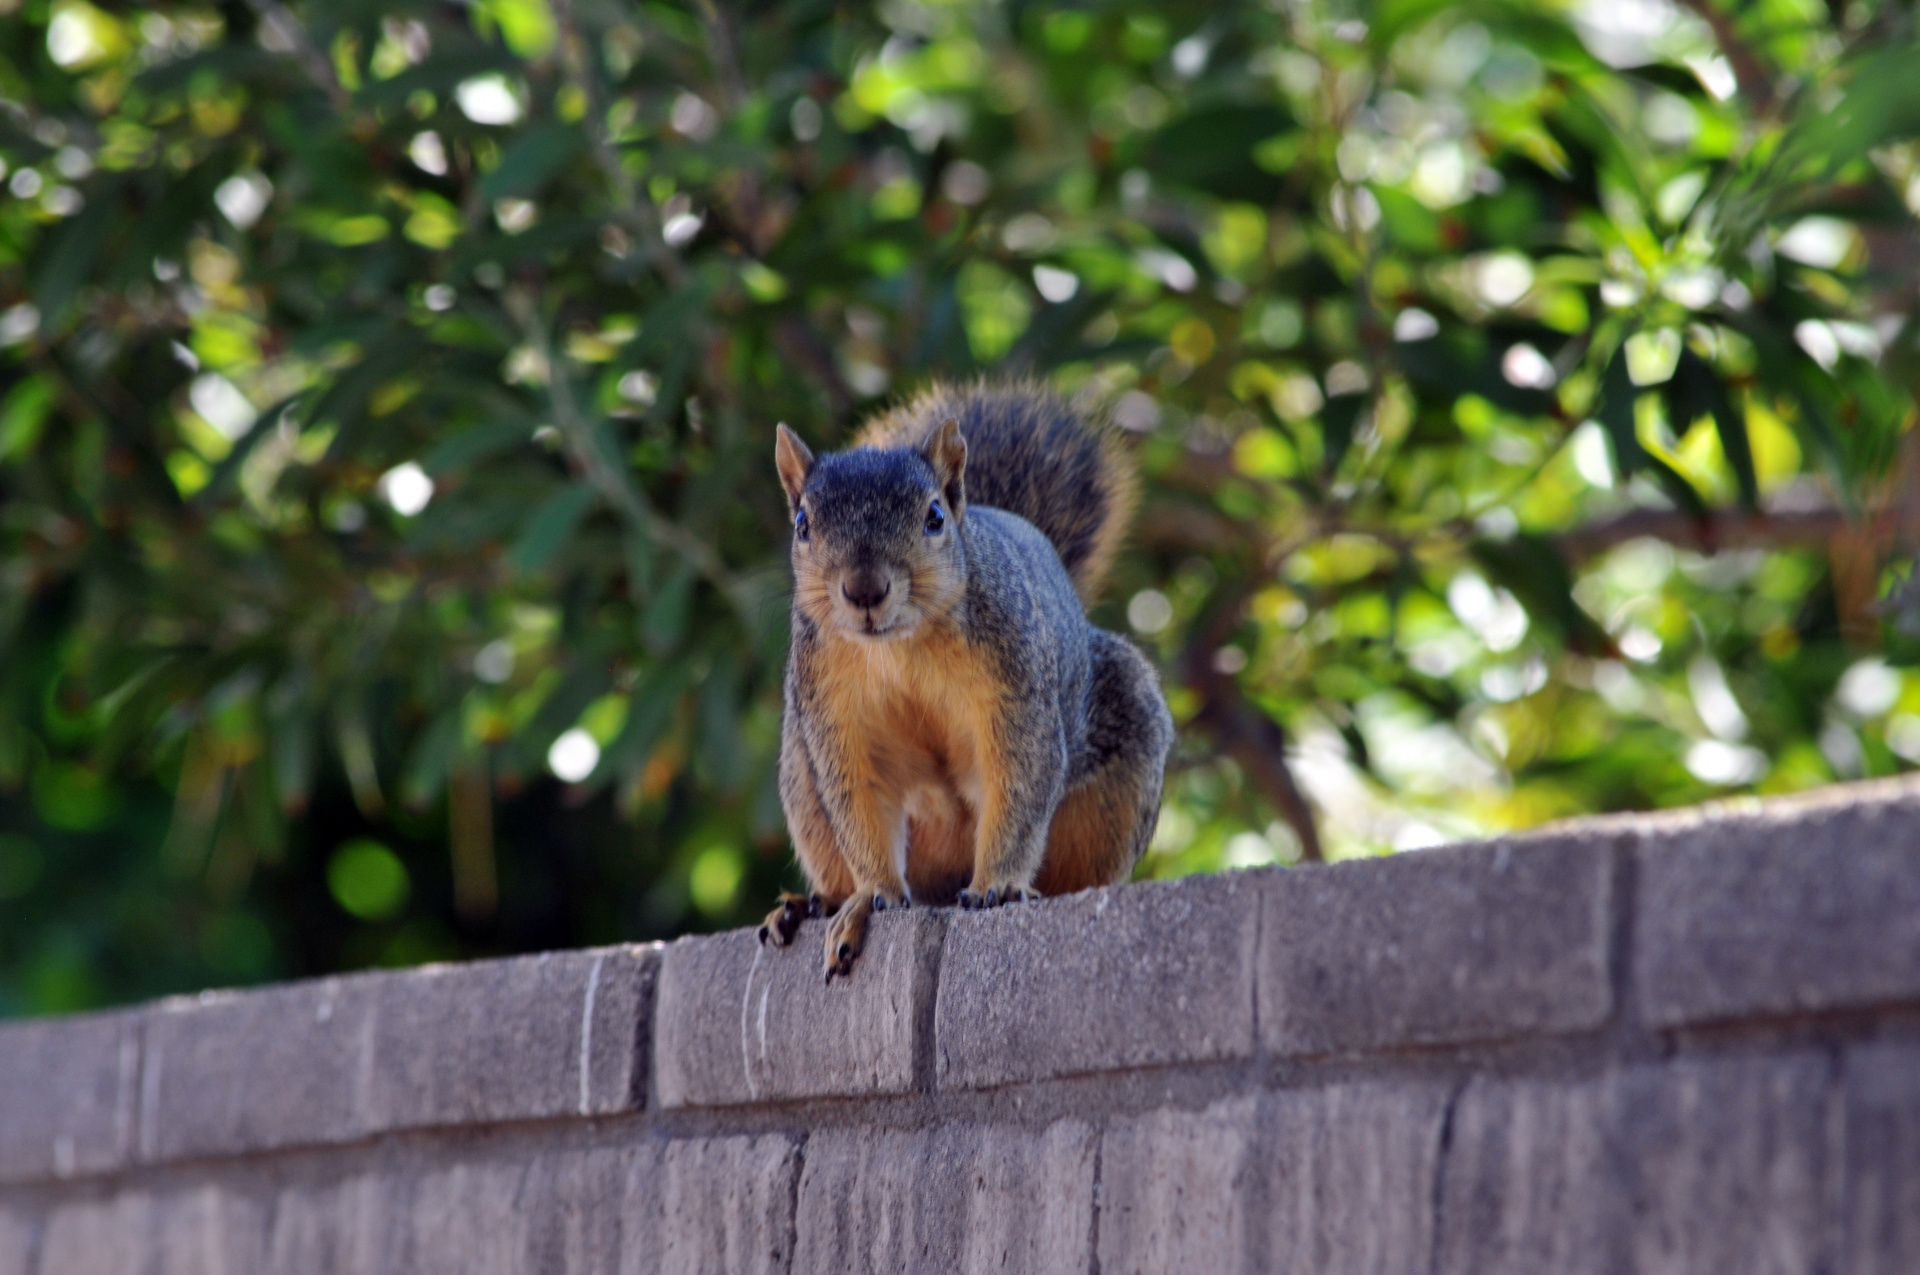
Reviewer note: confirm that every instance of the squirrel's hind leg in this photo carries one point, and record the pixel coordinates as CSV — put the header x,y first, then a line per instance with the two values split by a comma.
x,y
1103,825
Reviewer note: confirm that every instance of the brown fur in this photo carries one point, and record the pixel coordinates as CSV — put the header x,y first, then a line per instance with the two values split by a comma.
x,y
954,727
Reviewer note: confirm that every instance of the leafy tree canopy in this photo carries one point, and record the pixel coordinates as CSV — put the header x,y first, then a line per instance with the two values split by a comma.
x,y
391,565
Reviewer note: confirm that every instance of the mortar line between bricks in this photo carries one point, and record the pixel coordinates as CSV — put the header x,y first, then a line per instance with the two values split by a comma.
x,y
793,1200
1443,1155
1093,1214
37,1243
1832,1253
926,1020
1622,932
640,1046
1259,902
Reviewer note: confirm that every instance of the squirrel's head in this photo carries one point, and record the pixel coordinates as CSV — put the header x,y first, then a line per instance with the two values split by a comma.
x,y
876,532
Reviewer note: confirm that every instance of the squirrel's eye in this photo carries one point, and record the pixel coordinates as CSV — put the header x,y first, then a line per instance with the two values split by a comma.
x,y
800,527
935,518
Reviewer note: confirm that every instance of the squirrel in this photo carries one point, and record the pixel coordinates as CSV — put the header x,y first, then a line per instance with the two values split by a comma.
x,y
955,729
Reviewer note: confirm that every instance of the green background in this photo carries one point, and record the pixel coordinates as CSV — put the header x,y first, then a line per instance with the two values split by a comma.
x,y
1524,393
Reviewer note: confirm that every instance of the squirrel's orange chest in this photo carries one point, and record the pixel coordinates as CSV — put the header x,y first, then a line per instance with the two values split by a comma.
x,y
924,711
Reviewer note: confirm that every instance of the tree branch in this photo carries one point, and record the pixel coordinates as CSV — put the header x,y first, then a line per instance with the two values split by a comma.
x,y
1243,732
1721,531
286,28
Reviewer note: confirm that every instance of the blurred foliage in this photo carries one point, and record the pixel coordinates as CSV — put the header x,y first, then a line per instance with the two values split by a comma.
x,y
391,565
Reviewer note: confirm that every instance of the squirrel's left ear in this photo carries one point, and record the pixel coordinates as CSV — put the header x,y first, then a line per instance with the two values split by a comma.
x,y
795,463
946,450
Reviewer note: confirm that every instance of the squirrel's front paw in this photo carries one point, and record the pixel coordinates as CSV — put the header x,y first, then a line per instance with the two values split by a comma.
x,y
784,921
847,932
994,896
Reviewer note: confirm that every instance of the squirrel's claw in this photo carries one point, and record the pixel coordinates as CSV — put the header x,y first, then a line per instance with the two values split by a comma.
x,y
995,896
847,931
784,921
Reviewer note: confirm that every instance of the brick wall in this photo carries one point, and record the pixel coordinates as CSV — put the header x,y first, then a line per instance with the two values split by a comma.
x,y
1683,1043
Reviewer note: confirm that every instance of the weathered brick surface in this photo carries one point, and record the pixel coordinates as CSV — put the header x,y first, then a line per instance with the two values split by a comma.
x,y
230,1072
1523,1168
503,1040
96,1235
1696,1165
342,1059
309,1224
716,1206
1349,1176
1789,908
1175,1191
1332,1181
959,1200
502,1211
67,1095
738,1022
1138,976
1459,944
1881,1225
17,1231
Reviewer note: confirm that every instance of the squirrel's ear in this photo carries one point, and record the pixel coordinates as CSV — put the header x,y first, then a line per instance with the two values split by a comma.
x,y
795,463
946,450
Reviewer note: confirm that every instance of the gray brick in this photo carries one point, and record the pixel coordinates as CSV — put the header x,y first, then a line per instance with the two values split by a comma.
x,y
17,1234
1176,1191
67,1095
1811,905
233,1072
715,1206
1350,1178
1727,1163
1882,1164
111,1235
258,1217
1527,1180
502,1040
958,1200
1135,976
1445,946
1697,1165
740,1023
1331,1180
316,1223
342,1059
448,1210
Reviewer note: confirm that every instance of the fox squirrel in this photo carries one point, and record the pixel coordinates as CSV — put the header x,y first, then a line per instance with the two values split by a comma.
x,y
955,730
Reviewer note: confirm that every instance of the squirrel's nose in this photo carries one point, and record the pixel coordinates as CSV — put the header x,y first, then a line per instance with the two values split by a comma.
x,y
865,591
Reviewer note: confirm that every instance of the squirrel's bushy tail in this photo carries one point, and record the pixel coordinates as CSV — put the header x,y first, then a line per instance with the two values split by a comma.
x,y
1035,454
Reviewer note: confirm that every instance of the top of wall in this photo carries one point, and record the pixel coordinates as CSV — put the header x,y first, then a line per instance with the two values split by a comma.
x,y
1727,914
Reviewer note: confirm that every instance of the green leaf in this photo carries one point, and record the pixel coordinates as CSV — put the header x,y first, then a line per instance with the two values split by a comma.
x,y
665,622
1212,149
550,527
75,248
23,412
1695,391
531,162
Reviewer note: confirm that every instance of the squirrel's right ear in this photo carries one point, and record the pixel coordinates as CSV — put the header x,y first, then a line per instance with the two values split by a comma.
x,y
946,450
795,463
